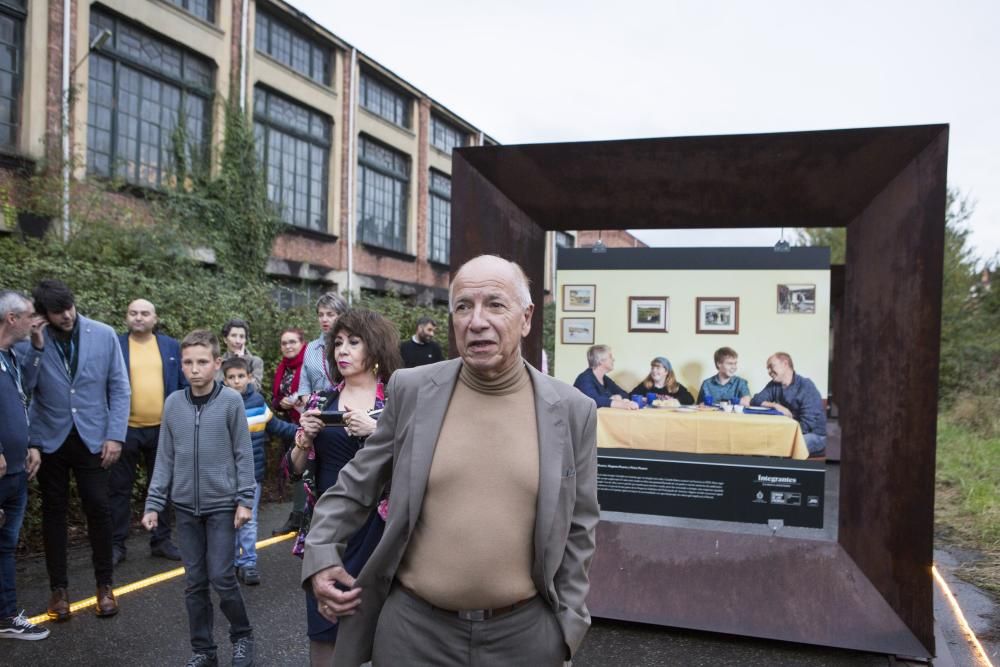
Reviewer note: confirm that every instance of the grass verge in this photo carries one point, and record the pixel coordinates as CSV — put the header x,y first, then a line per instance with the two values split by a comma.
x,y
967,508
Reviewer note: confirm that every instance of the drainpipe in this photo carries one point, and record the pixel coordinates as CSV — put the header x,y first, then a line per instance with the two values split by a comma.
x,y
351,161
67,14
243,56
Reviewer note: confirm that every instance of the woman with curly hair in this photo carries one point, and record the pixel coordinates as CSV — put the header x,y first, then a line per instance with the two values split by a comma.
x,y
363,352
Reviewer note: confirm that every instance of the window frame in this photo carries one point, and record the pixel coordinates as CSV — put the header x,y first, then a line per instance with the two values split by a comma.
x,y
17,11
185,6
370,79
269,124
435,254
446,127
316,44
186,89
365,164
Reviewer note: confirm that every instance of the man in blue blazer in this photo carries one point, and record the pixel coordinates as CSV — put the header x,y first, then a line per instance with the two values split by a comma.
x,y
78,416
153,361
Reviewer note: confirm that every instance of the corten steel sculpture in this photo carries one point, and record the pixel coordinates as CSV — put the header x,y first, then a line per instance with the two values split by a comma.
x,y
871,589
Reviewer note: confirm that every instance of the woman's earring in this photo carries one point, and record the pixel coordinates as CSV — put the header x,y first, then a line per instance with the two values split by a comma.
x,y
375,370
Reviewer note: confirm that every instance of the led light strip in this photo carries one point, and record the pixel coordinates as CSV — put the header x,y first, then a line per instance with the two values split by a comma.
x,y
147,582
966,628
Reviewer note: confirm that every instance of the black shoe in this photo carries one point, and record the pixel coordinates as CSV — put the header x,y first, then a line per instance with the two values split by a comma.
x,y
203,660
243,652
292,524
19,627
166,549
117,555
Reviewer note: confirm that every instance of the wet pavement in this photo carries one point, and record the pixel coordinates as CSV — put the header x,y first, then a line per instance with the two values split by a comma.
x,y
151,629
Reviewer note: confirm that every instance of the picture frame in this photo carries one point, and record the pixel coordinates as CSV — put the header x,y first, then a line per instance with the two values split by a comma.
x,y
579,298
796,299
648,314
576,331
717,314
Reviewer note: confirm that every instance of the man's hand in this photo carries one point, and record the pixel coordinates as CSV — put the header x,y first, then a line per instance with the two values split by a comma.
x,y
110,451
777,406
38,324
745,401
623,404
331,601
3,465
243,514
32,462
150,520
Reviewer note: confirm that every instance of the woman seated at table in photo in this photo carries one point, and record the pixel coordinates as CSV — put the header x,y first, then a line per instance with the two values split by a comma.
x,y
662,382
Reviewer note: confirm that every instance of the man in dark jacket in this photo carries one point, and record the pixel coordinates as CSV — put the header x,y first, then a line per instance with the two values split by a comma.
x,y
154,370
18,462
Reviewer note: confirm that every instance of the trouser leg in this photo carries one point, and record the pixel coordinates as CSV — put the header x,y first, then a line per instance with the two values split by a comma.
x,y
222,574
192,538
13,500
121,480
53,482
92,483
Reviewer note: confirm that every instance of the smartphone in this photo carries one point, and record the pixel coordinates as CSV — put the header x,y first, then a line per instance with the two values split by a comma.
x,y
332,417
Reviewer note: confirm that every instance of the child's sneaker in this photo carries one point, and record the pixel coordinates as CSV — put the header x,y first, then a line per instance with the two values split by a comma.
x,y
248,575
243,652
19,627
203,660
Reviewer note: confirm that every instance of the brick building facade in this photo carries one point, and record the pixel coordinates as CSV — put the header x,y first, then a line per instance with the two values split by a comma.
x,y
357,159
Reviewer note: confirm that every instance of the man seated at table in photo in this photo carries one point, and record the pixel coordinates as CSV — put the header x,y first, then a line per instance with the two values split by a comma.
x,y
662,382
725,385
595,383
795,396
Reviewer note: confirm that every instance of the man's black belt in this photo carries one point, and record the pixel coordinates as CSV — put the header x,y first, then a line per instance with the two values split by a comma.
x,y
470,614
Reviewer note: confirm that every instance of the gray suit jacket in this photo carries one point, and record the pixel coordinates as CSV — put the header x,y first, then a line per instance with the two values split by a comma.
x,y
402,447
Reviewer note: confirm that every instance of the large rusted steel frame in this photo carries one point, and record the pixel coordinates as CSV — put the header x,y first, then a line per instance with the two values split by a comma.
x,y
872,588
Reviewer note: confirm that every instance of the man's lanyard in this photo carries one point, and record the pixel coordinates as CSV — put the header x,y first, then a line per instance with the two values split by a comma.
x,y
8,363
67,355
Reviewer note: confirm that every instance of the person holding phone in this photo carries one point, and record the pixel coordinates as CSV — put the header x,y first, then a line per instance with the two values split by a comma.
x,y
363,354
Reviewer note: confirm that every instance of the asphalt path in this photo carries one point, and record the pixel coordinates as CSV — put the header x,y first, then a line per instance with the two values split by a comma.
x,y
151,628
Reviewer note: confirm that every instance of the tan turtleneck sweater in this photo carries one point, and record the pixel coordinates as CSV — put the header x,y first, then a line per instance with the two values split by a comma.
x,y
472,547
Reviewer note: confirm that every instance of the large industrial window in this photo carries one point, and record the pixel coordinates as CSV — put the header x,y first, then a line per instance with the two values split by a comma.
x,y
384,101
294,145
383,184
203,9
144,94
440,217
445,136
309,57
12,14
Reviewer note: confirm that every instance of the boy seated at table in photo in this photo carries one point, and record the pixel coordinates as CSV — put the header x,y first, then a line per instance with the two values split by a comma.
x,y
797,397
725,385
662,382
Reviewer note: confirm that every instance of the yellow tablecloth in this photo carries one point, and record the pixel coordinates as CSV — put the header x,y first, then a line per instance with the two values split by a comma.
x,y
701,432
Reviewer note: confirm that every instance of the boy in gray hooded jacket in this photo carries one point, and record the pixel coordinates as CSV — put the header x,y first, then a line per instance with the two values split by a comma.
x,y
204,465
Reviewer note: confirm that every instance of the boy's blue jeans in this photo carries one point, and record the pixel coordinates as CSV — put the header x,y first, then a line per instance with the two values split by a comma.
x,y
13,500
246,537
206,545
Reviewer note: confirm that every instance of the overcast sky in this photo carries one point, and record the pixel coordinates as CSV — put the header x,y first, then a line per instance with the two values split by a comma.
x,y
534,71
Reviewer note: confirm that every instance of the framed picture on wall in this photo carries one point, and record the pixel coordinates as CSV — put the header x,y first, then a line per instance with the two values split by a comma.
x,y
577,331
581,298
796,298
648,313
718,314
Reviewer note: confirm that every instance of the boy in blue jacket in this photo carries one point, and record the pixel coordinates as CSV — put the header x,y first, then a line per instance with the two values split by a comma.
x,y
262,424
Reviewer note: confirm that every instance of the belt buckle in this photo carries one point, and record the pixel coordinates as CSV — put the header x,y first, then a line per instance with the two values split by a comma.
x,y
474,614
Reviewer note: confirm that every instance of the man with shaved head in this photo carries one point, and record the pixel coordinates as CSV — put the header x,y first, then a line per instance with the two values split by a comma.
x,y
153,361
492,508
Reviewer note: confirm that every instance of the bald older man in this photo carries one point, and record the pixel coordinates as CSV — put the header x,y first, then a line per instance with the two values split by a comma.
x,y
492,508
154,371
